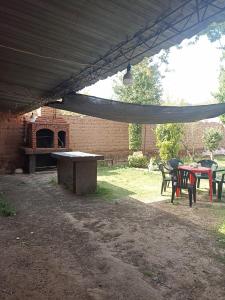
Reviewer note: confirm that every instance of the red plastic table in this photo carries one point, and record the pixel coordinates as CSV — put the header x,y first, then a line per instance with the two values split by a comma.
x,y
201,170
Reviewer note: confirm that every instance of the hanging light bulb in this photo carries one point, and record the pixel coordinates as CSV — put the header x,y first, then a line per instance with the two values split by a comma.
x,y
127,78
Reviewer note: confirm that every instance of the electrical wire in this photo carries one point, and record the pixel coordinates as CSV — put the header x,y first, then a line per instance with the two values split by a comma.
x,y
41,56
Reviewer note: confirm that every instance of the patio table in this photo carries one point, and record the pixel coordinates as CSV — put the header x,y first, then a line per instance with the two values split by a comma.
x,y
201,170
77,170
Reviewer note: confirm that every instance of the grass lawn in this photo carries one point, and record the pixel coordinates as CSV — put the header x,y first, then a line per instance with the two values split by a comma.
x,y
121,181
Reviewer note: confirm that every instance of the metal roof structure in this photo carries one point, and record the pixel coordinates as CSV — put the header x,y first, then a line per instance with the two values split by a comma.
x,y
51,48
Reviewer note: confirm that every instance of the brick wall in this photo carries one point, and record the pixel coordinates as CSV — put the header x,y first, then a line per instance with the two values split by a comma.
x,y
91,135
194,133
100,136
148,139
11,138
193,136
111,138
95,135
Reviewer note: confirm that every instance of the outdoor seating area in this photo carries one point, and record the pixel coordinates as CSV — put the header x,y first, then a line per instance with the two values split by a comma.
x,y
204,169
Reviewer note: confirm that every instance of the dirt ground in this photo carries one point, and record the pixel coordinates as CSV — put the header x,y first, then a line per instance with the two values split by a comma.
x,y
59,246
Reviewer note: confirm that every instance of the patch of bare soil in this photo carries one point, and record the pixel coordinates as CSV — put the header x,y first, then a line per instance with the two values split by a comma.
x,y
60,246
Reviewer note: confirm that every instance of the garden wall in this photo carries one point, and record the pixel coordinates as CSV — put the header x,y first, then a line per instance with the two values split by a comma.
x,y
91,135
194,133
192,138
11,139
95,135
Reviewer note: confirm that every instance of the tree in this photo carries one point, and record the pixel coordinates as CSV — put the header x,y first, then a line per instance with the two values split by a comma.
x,y
212,138
215,33
220,94
146,89
168,139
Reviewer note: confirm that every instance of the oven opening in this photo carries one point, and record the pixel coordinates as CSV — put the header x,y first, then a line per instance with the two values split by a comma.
x,y
45,138
61,139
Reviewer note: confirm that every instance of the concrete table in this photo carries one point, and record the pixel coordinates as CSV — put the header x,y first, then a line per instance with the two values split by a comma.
x,y
77,171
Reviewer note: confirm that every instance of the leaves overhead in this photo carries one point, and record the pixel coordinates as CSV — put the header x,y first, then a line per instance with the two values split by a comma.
x,y
216,33
146,87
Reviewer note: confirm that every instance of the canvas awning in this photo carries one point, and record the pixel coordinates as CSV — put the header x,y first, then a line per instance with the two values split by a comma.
x,y
135,113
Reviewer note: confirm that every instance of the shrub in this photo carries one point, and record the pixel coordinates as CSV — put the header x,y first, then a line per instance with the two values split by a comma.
x,y
168,150
212,138
137,160
168,139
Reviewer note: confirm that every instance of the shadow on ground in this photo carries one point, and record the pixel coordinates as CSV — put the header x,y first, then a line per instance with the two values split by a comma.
x,y
60,246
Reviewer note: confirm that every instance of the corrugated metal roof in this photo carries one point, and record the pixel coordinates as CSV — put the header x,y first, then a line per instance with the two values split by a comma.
x,y
48,48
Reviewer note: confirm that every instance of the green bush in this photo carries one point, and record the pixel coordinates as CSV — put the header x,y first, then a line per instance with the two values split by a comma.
x,y
168,139
168,150
138,160
212,138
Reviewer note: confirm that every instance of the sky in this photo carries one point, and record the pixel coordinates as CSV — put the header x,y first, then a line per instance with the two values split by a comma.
x,y
193,76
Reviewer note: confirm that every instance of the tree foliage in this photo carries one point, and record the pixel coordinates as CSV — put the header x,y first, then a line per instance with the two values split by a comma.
x,y
212,138
216,33
220,94
146,89
168,140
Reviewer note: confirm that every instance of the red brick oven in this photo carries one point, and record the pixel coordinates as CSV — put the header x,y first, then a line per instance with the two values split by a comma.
x,y
42,137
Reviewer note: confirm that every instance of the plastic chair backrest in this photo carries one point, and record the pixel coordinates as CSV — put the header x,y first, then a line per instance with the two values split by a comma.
x,y
208,163
174,163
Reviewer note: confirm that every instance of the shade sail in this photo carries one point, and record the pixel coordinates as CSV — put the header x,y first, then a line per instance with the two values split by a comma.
x,y
135,113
